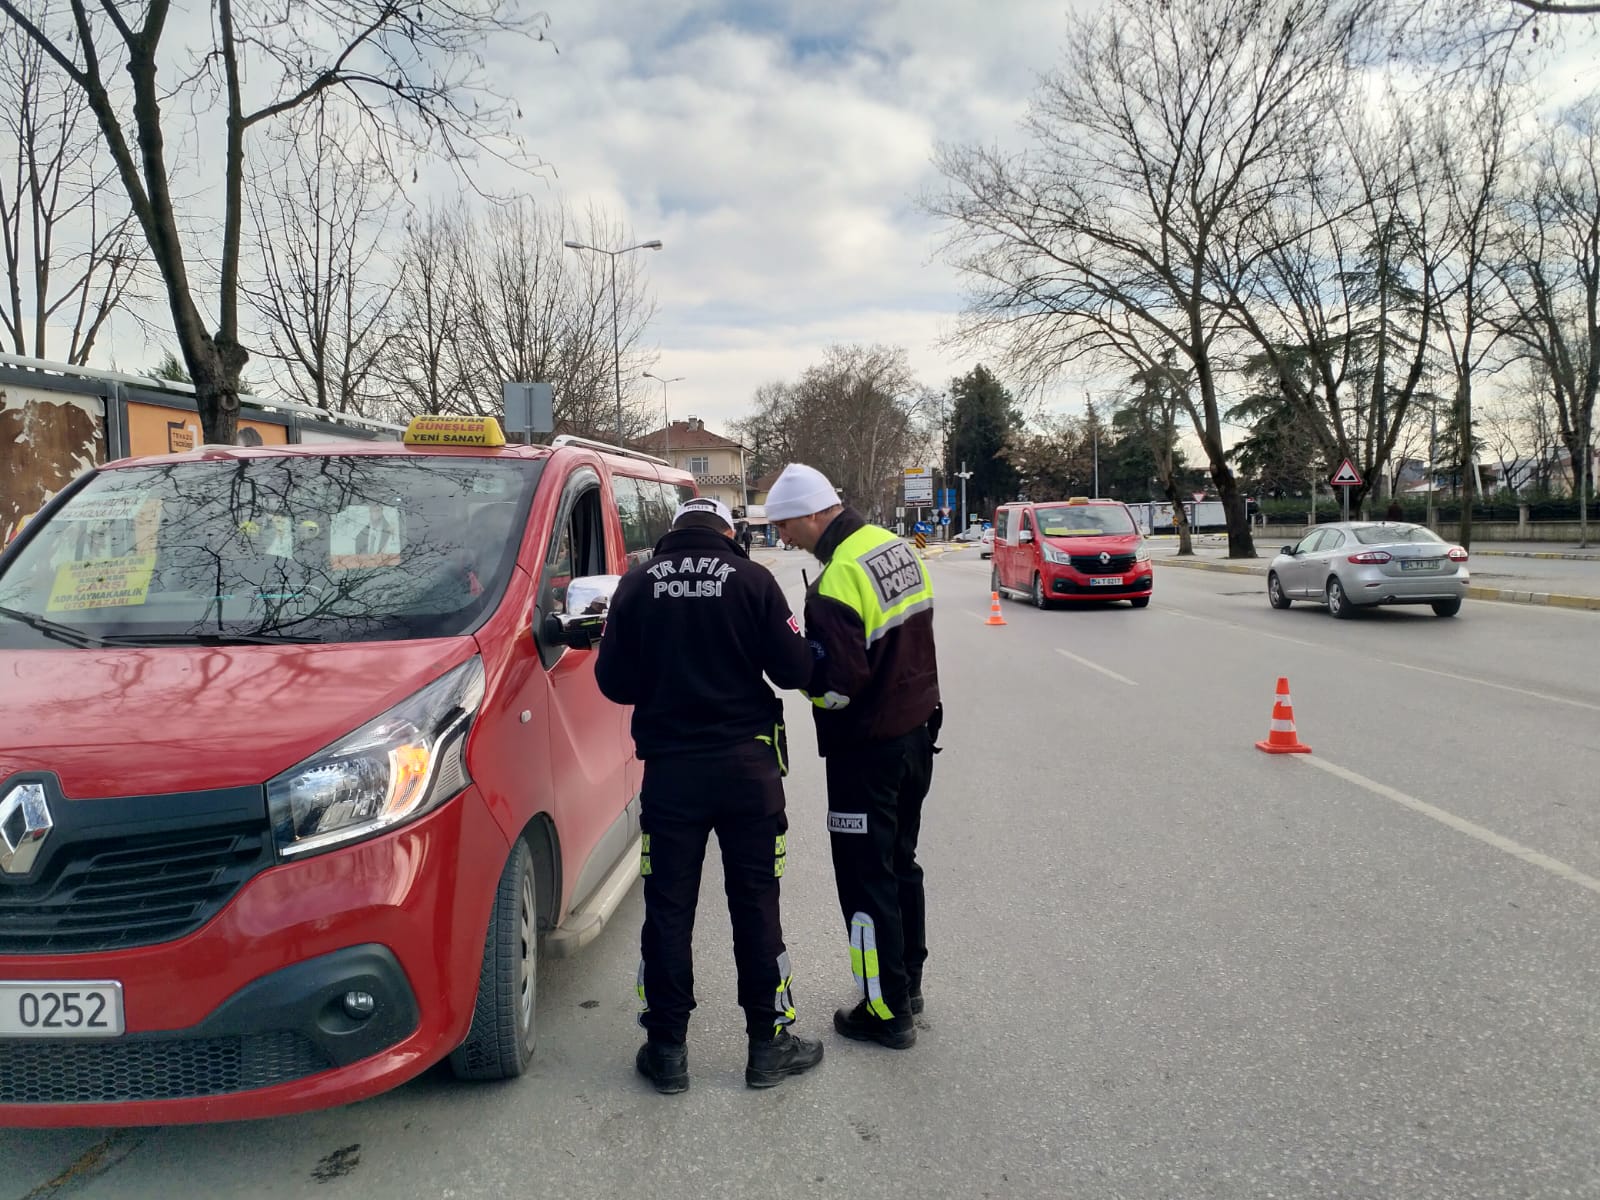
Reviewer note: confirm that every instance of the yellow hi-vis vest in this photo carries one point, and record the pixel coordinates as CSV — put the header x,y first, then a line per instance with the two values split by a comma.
x,y
880,578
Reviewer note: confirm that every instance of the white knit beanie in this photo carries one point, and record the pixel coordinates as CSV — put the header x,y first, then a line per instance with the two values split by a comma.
x,y
799,492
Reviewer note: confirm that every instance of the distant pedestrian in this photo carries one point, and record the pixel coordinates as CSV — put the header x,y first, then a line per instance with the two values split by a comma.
x,y
1395,512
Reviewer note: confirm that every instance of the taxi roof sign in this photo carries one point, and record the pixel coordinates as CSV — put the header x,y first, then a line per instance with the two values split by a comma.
x,y
454,431
1078,500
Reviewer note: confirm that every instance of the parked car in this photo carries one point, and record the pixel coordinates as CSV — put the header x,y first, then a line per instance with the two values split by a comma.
x,y
972,533
986,544
1359,564
1072,550
304,765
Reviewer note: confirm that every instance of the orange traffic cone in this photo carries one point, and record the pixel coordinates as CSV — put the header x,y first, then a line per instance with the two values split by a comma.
x,y
1283,739
994,610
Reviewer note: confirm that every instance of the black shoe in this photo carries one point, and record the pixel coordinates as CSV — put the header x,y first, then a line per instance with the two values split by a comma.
x,y
666,1065
771,1059
860,1023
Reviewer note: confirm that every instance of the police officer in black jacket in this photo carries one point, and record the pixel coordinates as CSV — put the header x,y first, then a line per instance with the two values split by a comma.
x,y
690,635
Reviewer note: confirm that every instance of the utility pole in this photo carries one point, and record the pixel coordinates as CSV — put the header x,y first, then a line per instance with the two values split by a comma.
x,y
964,475
1094,435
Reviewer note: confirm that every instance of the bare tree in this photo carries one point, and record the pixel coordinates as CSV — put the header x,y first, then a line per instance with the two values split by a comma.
x,y
1470,136
534,311
1551,270
1168,132
859,417
67,235
322,298
411,75
1341,305
423,363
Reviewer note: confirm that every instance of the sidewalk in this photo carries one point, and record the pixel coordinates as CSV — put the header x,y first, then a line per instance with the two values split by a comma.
x,y
1515,572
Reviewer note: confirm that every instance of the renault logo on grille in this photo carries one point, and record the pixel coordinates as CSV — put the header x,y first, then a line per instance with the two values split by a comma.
x,y
24,824
1104,558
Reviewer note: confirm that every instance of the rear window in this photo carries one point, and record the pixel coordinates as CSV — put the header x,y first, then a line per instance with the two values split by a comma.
x,y
1396,535
325,549
1085,520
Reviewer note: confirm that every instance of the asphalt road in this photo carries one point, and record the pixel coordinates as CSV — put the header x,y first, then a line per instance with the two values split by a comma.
x,y
1164,964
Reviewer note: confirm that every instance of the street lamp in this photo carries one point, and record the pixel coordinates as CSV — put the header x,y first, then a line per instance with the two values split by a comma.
x,y
666,413
616,317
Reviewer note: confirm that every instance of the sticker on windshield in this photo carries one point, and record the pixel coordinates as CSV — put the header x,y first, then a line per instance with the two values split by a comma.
x,y
102,583
366,536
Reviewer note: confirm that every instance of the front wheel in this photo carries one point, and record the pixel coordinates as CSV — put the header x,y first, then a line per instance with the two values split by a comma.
x,y
1275,593
501,1040
994,578
1039,600
1140,602
1446,608
1338,603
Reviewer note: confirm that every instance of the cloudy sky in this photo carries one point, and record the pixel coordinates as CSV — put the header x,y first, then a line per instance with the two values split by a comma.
x,y
777,149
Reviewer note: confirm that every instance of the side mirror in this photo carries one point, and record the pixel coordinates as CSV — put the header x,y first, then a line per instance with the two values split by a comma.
x,y
1289,550
588,603
1025,536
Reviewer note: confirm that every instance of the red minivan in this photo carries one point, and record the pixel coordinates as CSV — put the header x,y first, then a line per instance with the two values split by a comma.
x,y
1077,549
302,754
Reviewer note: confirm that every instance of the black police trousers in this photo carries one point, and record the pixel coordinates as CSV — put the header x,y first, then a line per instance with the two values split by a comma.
x,y
875,795
739,796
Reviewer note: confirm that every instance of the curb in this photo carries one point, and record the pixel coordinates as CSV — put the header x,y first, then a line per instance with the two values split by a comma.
x,y
1474,592
1575,556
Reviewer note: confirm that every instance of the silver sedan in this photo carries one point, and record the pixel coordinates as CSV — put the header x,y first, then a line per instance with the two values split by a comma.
x,y
1356,564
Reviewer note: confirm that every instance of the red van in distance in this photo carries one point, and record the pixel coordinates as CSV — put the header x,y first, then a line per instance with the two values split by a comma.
x,y
1071,550
304,761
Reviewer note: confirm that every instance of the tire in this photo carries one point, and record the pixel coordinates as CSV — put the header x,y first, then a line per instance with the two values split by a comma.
x,y
1446,608
1275,593
1338,600
994,580
504,1021
1140,602
1040,601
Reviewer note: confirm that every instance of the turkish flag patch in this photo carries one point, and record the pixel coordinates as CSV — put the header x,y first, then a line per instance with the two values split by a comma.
x,y
793,624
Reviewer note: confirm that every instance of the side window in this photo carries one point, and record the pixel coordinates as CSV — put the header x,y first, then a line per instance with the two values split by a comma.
x,y
636,539
1310,542
1332,539
685,494
658,508
578,543
1027,522
1002,524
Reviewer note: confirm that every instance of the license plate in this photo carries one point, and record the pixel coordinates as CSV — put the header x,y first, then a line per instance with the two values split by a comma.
x,y
1419,564
60,1010
1105,581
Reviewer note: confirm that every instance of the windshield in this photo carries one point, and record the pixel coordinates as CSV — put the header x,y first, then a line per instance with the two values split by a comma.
x,y
338,548
1085,520
1394,535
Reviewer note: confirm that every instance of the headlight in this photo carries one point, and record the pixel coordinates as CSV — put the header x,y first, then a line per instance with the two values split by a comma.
x,y
1052,555
1142,554
392,770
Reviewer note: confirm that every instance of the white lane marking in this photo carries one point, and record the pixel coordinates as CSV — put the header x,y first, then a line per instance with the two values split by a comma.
x,y
1460,824
1096,667
1276,637
1504,687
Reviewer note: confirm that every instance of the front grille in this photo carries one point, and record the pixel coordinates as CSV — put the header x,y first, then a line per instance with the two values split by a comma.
x,y
135,1068
112,895
1090,564
1070,587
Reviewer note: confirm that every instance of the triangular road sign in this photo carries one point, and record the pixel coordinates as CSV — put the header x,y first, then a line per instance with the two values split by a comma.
x,y
1346,475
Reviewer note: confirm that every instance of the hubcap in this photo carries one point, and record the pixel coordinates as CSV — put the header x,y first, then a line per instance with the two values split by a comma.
x,y
529,933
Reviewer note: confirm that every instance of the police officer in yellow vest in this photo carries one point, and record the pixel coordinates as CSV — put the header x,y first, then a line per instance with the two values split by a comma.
x,y
875,698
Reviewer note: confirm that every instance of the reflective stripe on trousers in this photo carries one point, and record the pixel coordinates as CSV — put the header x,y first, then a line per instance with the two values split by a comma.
x,y
783,1001
864,963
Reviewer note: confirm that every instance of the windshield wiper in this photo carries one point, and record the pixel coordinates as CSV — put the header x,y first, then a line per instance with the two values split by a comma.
x,y
207,639
69,634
